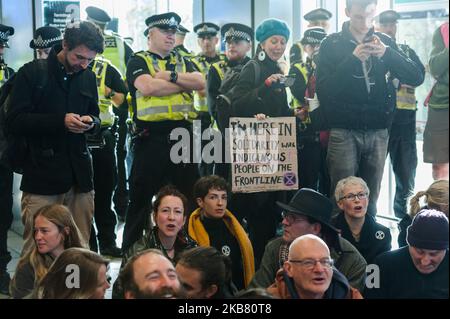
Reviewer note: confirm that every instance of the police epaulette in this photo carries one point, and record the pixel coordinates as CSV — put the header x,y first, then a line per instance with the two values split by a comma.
x,y
139,52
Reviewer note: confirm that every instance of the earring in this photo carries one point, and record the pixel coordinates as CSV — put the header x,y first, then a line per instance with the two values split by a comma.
x,y
262,56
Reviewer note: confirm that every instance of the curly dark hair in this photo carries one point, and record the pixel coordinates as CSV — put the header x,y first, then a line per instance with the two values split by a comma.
x,y
84,33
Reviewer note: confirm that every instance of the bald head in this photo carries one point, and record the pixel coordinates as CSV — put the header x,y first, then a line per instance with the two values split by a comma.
x,y
307,245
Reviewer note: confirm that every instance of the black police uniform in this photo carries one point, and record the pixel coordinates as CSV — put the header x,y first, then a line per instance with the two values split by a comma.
x,y
152,167
374,240
105,178
402,147
181,49
6,178
101,18
233,32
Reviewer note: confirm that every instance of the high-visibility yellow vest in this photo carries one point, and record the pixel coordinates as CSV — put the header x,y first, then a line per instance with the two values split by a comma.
x,y
183,53
220,68
295,103
201,102
115,52
406,98
4,75
173,107
105,105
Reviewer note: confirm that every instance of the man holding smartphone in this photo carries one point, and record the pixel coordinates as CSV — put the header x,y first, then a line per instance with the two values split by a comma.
x,y
58,165
354,85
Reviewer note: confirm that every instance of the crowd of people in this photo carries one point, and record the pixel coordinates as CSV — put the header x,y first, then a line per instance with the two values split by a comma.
x,y
66,126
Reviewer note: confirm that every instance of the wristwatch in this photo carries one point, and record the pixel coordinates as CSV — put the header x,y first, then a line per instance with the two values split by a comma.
x,y
173,76
110,95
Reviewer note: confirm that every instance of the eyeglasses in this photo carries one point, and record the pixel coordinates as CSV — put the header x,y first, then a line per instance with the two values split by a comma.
x,y
352,197
309,264
291,218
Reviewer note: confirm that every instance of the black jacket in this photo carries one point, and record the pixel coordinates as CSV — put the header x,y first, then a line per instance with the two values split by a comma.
x,y
375,238
250,98
341,86
57,160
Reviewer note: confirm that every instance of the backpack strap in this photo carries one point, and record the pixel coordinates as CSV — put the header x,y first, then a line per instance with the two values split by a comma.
x,y
257,69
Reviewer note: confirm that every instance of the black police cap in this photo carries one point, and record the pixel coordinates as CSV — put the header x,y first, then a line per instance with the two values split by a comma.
x,y
46,37
5,33
388,16
97,15
169,20
206,29
182,30
318,14
313,36
236,31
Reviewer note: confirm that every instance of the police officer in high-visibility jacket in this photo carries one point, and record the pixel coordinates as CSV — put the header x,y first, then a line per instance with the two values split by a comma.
x,y
239,39
118,52
180,36
161,84
111,93
6,174
402,135
311,154
207,40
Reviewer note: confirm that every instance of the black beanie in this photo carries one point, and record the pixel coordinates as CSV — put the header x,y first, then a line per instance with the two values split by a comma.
x,y
429,230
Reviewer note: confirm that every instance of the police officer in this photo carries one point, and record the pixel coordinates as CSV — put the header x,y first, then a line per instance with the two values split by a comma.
x,y
304,101
111,92
161,84
319,18
402,137
179,42
43,40
207,40
6,175
118,52
238,38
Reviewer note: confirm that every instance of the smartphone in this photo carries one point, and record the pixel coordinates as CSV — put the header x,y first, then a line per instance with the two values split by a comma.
x,y
369,36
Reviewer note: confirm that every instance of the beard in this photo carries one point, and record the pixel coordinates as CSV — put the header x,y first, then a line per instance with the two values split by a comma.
x,y
163,293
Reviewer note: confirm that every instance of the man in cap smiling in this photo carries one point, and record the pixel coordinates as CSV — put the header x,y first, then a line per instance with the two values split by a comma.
x,y
161,84
43,40
6,175
309,212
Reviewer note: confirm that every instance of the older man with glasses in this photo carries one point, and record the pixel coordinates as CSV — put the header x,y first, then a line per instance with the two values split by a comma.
x,y
309,212
360,229
309,274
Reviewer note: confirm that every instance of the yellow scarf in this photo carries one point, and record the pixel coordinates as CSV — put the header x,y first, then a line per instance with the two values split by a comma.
x,y
198,232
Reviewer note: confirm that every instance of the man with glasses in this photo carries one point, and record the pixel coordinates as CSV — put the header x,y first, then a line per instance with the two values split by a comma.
x,y
161,83
309,212
309,274
58,165
361,230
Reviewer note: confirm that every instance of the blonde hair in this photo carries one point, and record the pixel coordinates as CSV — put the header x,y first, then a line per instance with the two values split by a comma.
x,y
436,197
62,218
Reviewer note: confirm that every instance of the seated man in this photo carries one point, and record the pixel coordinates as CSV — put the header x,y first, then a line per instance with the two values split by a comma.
x,y
309,274
309,212
361,230
205,273
213,225
149,275
419,270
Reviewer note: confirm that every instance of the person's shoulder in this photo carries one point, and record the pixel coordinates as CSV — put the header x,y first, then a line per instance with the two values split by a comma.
x,y
275,243
332,38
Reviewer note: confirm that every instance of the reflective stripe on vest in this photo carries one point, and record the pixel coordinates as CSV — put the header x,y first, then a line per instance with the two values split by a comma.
x,y
200,102
106,112
220,67
174,107
295,104
406,99
115,52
